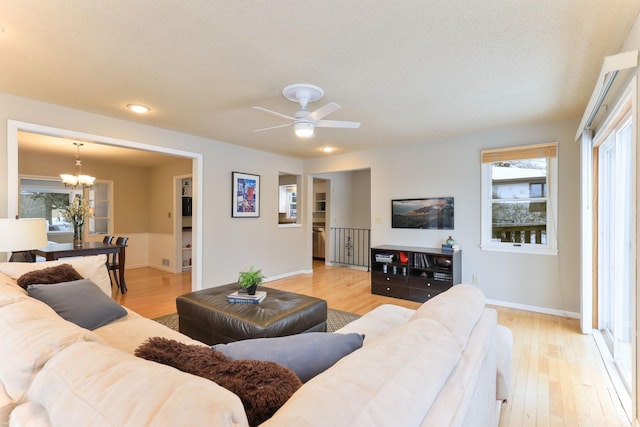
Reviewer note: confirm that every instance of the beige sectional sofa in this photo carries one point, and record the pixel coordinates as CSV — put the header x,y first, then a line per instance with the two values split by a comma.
x,y
445,364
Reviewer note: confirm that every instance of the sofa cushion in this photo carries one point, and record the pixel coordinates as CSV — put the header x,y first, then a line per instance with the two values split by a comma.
x,y
378,322
458,310
9,284
80,302
10,292
92,384
305,354
31,334
132,331
28,414
93,268
55,274
392,381
262,386
6,406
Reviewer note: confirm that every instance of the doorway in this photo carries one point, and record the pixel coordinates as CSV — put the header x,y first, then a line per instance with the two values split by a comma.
x,y
15,127
320,207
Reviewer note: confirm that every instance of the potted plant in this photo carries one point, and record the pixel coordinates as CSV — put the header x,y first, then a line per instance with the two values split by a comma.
x,y
250,280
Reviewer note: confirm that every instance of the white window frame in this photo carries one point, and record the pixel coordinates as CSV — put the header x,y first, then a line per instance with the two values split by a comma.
x,y
487,244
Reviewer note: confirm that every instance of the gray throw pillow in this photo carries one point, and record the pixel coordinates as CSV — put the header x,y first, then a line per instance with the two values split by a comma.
x,y
80,302
305,354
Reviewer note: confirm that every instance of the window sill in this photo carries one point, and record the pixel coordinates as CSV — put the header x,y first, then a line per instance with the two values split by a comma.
x,y
524,249
292,225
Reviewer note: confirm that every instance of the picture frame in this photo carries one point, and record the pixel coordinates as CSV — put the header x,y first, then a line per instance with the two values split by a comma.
x,y
429,213
245,195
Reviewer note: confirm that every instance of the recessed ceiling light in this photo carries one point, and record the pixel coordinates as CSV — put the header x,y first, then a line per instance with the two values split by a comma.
x,y
327,149
138,108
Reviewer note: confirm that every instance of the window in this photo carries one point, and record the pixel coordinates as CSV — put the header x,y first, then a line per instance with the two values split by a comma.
x,y
45,198
519,195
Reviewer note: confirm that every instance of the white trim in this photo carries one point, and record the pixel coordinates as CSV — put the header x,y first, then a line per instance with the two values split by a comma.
x,y
586,233
536,309
614,375
285,275
292,225
520,249
610,67
13,126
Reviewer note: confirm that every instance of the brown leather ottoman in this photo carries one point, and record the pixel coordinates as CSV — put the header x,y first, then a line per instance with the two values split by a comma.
x,y
206,315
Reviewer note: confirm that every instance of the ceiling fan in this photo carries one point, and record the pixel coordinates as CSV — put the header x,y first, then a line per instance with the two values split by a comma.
x,y
304,122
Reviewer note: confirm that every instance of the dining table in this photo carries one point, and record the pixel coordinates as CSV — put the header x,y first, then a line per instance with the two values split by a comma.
x,y
54,251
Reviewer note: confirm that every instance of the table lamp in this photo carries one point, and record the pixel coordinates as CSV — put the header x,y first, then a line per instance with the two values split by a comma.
x,y
20,236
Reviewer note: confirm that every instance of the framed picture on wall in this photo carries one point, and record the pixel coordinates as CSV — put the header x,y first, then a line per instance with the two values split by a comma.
x,y
433,213
245,192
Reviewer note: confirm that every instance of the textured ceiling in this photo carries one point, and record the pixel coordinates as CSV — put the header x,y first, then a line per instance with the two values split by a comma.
x,y
409,71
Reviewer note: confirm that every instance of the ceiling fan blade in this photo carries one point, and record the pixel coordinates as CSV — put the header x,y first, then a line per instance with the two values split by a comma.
x,y
337,124
324,111
273,127
275,113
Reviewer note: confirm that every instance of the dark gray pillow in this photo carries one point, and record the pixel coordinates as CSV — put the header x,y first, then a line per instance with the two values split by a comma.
x,y
80,302
305,354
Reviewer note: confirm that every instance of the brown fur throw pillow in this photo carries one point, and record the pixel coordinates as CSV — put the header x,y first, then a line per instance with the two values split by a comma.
x,y
261,386
47,276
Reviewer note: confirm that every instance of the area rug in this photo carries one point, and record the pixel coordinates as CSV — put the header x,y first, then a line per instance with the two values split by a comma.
x,y
336,319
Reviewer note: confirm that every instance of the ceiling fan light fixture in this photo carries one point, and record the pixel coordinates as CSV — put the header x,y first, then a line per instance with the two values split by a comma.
x,y
303,129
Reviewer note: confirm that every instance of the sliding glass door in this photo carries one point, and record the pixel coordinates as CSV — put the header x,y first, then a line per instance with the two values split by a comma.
x,y
615,239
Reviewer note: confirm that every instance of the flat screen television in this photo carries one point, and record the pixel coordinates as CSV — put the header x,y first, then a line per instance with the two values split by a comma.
x,y
431,213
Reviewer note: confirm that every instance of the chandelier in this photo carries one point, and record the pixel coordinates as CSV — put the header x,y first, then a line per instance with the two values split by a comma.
x,y
77,180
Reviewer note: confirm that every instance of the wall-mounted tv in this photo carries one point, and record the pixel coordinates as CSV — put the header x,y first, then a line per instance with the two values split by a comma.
x,y
431,213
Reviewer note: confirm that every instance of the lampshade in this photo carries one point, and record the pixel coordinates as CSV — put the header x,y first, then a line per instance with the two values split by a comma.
x,y
22,234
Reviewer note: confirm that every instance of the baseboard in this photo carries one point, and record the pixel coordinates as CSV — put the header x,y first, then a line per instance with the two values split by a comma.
x,y
355,267
535,309
154,266
282,276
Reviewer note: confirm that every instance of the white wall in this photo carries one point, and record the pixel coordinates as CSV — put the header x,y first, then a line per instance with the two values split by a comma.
x,y
349,198
229,244
448,167
451,167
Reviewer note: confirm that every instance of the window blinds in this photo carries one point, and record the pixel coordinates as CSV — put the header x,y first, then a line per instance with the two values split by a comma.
x,y
519,153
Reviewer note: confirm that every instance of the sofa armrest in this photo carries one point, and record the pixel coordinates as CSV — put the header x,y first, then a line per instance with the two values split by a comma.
x,y
504,352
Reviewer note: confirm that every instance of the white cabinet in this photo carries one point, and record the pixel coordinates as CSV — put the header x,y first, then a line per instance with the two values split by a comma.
x,y
100,201
186,236
321,202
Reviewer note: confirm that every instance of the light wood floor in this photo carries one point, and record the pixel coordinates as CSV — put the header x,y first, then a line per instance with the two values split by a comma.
x,y
558,376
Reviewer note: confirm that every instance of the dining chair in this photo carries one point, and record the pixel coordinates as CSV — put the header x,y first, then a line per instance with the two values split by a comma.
x,y
113,264
107,239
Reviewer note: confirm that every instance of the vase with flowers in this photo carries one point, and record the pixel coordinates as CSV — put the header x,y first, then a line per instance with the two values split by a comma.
x,y
76,213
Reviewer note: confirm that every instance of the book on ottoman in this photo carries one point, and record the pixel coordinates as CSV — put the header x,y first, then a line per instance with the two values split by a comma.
x,y
239,297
